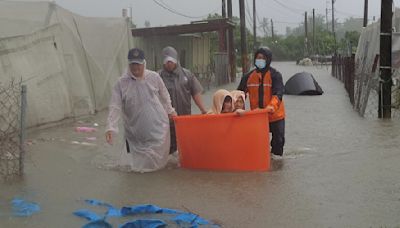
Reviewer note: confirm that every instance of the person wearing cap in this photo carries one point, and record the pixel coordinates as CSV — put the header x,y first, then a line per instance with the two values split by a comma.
x,y
265,88
182,86
143,101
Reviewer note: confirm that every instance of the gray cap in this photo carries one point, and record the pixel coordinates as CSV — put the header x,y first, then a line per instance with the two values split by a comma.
x,y
136,55
170,54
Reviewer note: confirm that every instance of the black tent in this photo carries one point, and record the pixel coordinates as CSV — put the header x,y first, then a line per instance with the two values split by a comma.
x,y
302,84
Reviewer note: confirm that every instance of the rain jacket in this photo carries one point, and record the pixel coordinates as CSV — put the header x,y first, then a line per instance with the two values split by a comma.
x,y
144,104
236,94
181,85
265,88
218,101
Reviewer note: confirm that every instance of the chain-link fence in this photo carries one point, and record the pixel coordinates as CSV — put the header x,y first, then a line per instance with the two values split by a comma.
x,y
12,117
363,86
222,68
214,74
396,94
204,73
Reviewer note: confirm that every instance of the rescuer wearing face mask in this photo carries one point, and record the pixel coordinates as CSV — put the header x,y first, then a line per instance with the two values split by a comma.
x,y
265,89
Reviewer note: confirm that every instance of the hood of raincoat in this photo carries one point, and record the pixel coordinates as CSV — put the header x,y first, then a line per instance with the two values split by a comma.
x,y
267,53
218,101
170,54
236,94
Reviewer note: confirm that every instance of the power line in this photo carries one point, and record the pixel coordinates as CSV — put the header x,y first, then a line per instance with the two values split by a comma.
x,y
273,7
258,19
248,11
249,18
287,22
213,11
170,9
293,10
173,11
249,22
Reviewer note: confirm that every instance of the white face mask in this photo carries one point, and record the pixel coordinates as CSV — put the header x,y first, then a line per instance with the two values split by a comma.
x,y
260,63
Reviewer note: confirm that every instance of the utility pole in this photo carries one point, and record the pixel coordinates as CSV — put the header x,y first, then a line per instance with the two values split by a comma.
x,y
223,8
130,17
326,17
265,26
313,33
243,40
231,46
254,25
365,13
305,35
272,30
385,61
333,25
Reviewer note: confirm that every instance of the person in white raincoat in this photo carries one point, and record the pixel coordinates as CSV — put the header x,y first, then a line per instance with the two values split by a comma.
x,y
143,100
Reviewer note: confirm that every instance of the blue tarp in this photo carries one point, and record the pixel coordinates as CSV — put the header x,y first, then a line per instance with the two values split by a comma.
x,y
23,208
144,223
98,224
181,218
147,208
87,214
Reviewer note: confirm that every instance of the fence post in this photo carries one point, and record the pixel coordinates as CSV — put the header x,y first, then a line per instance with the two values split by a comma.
x,y
22,129
352,77
340,67
221,68
344,71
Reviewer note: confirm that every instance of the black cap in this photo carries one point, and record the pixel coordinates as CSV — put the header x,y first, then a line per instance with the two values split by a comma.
x,y
136,55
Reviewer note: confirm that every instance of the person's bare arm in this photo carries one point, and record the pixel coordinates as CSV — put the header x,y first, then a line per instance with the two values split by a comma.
x,y
165,98
199,102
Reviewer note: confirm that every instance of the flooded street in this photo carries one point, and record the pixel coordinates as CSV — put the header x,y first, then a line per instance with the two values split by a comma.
x,y
339,170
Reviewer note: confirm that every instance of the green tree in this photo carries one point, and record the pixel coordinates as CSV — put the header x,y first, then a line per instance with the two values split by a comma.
x,y
292,46
350,40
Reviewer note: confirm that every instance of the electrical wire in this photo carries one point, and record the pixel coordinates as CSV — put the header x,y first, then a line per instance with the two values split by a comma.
x,y
287,22
248,10
293,10
170,9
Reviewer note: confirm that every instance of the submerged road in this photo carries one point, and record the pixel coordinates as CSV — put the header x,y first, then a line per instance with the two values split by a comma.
x,y
339,170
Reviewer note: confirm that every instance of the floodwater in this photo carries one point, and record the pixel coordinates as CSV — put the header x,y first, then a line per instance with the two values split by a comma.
x,y
339,170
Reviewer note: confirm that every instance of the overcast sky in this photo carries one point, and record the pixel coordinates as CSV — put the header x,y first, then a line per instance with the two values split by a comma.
x,y
283,12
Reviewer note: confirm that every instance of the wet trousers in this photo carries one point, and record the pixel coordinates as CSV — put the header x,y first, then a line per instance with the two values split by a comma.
x,y
277,129
173,146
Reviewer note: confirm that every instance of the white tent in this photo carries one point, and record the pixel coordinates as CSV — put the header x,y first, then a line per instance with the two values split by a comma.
x,y
68,62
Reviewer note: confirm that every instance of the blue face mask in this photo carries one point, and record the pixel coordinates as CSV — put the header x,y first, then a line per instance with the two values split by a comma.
x,y
260,63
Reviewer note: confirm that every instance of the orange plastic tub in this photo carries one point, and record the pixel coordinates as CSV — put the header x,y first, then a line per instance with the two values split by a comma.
x,y
224,142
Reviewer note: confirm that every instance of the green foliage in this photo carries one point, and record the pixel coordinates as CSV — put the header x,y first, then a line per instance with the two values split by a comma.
x,y
292,46
350,40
